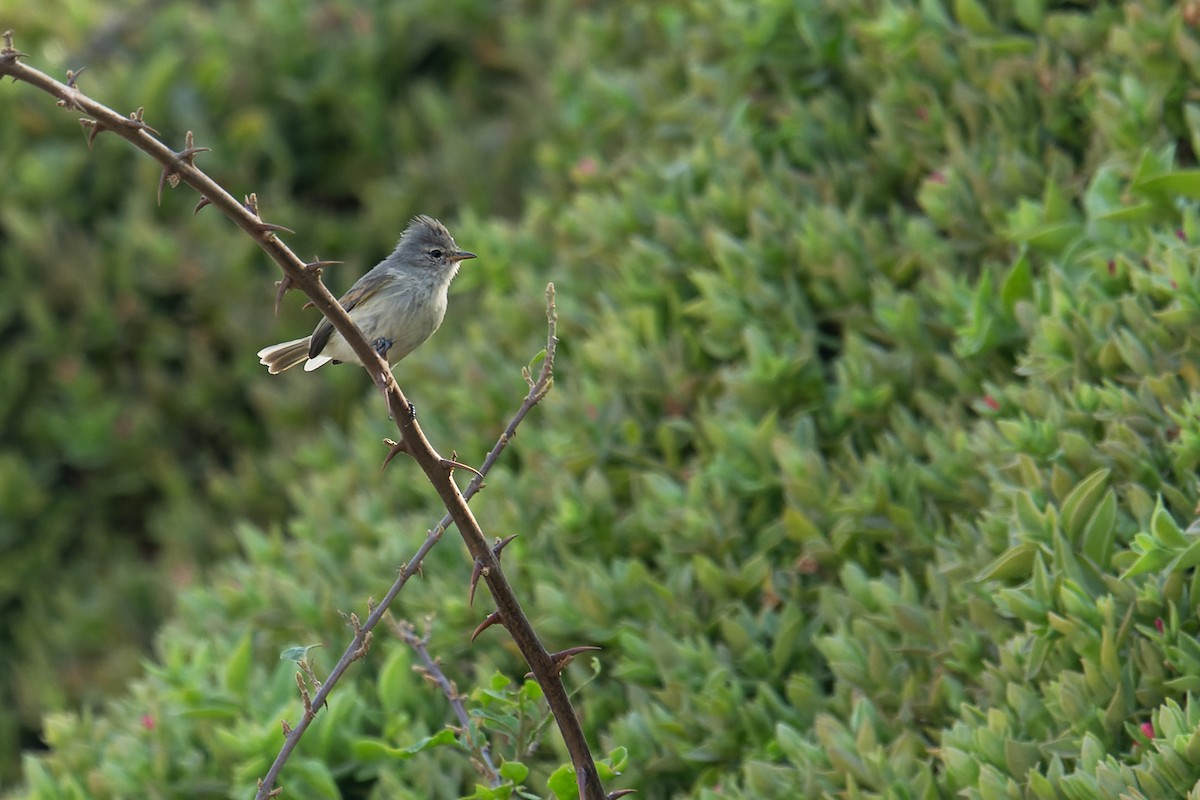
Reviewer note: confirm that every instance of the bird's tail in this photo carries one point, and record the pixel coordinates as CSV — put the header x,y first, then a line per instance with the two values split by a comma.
x,y
284,355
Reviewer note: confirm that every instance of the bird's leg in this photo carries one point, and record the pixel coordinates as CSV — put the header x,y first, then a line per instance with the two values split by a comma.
x,y
382,346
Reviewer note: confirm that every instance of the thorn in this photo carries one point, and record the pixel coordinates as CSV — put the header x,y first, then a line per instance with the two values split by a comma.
x,y
284,285
136,121
397,448
287,284
271,227
620,793
480,571
251,205
563,658
476,574
361,650
451,465
93,127
201,203
167,175
274,792
317,265
187,155
308,707
491,619
503,543
70,101
9,51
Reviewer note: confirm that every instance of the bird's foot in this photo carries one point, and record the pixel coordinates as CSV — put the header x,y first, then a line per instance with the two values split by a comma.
x,y
382,346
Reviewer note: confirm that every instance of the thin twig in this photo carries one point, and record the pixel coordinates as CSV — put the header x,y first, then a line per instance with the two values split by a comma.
x,y
537,390
179,166
432,670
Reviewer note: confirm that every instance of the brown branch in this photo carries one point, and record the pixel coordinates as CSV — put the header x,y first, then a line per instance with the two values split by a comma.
x,y
178,166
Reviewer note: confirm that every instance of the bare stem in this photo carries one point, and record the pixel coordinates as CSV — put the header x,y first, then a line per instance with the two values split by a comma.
x,y
432,670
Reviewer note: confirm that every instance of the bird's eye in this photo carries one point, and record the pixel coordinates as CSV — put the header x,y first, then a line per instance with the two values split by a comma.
x,y
435,253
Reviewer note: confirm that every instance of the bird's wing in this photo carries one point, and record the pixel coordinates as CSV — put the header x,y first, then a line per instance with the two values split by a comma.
x,y
358,292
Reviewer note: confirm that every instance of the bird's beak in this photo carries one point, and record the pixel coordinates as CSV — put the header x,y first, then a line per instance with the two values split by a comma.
x,y
463,255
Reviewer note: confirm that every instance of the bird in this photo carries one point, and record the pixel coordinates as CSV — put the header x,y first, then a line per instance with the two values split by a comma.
x,y
397,305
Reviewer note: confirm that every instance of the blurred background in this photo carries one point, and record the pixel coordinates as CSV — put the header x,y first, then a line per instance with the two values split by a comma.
x,y
853,305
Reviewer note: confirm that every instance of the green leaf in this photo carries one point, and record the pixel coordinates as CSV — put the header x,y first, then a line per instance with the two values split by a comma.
x,y
562,783
1100,530
1018,285
1014,563
1054,238
1182,183
1190,557
297,653
237,668
1164,528
1151,561
514,771
618,759
531,691
972,15
1080,504
442,737
1141,212
375,750
394,680
311,778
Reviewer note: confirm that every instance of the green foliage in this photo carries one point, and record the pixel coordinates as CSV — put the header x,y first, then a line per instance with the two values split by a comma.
x,y
873,441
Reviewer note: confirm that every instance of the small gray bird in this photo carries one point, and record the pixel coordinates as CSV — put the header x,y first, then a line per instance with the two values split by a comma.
x,y
397,305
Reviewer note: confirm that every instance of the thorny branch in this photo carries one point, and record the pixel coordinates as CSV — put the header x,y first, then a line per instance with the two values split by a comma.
x,y
180,167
